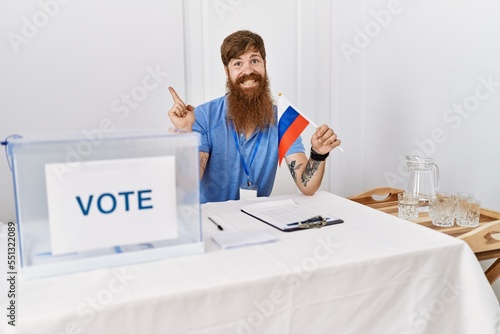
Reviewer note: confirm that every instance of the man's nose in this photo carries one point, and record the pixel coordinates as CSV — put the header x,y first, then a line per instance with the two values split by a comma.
x,y
247,68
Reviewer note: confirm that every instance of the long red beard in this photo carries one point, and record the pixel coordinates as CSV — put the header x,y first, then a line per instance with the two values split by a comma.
x,y
250,109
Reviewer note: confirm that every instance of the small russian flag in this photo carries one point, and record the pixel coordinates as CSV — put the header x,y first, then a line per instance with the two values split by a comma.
x,y
290,125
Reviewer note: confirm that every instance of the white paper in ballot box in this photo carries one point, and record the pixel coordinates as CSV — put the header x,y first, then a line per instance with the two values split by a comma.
x,y
104,203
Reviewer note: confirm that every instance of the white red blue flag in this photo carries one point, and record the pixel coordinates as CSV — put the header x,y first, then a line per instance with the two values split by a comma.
x,y
290,125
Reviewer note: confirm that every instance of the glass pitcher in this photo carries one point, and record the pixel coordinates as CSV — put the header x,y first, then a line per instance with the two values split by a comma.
x,y
423,179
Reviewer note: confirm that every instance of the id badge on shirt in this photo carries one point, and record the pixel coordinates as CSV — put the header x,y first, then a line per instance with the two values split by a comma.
x,y
248,191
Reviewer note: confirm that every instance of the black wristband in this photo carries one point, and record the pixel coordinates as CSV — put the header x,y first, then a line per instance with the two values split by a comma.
x,y
318,157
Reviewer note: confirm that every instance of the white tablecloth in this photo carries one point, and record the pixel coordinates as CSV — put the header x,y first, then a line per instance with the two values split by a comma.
x,y
374,273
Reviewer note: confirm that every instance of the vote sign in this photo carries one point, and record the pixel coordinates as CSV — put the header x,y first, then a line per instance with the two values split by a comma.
x,y
107,203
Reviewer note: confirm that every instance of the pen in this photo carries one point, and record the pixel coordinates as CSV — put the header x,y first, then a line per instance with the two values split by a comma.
x,y
216,224
307,221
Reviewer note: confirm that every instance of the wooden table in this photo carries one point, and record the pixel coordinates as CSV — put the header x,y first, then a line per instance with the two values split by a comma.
x,y
484,240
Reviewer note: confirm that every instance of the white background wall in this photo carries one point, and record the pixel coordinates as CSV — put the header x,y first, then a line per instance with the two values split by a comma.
x,y
386,74
69,65
413,82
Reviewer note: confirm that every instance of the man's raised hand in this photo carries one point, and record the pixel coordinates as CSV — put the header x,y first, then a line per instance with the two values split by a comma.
x,y
181,115
324,140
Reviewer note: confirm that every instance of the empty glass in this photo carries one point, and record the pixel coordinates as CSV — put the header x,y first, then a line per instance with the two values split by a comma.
x,y
441,209
460,196
467,212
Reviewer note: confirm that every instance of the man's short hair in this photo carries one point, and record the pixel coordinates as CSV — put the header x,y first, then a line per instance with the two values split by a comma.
x,y
238,43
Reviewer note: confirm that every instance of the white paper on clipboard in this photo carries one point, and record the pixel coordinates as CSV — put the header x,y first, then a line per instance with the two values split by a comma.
x,y
285,215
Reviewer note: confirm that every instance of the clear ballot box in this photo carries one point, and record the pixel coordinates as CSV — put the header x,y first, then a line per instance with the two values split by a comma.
x,y
90,200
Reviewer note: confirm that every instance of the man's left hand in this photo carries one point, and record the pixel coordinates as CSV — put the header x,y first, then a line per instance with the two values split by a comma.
x,y
324,140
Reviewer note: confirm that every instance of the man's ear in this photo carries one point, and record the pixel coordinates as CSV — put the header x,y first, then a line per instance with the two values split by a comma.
x,y
226,70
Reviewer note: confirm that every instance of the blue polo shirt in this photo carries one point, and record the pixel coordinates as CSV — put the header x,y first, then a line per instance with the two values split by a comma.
x,y
225,173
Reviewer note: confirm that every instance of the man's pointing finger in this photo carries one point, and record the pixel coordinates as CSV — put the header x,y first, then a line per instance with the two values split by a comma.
x,y
174,95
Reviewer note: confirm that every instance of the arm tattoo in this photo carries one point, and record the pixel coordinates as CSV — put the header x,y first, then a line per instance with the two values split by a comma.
x,y
311,168
293,168
203,161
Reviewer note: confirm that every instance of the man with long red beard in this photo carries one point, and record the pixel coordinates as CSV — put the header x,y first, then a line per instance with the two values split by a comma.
x,y
239,133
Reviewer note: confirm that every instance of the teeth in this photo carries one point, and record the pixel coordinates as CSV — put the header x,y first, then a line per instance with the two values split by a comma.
x,y
248,82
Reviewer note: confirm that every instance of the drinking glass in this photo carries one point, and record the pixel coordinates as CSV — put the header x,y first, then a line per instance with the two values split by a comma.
x,y
460,196
468,212
408,205
441,209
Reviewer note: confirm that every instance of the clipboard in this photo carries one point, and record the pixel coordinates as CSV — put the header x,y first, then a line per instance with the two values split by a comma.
x,y
288,216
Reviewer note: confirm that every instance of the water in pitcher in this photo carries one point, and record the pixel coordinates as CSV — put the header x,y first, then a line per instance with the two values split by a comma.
x,y
423,179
